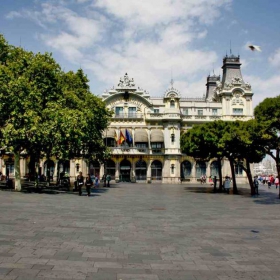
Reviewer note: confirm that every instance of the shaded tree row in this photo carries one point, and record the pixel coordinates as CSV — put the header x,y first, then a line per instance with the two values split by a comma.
x,y
45,111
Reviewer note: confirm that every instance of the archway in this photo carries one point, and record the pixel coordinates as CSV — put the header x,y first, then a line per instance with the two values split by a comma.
x,y
214,168
186,169
125,167
49,170
200,169
141,170
156,169
63,168
110,168
94,168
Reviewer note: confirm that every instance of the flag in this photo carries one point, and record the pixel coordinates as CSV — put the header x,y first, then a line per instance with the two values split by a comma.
x,y
128,137
122,138
116,136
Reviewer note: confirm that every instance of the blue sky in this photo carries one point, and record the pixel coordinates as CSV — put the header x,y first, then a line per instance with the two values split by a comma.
x,y
151,40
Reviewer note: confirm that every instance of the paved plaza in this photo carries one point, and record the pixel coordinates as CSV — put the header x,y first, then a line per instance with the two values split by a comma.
x,y
140,232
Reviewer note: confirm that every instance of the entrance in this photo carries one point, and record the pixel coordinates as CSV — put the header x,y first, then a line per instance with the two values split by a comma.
x,y
125,168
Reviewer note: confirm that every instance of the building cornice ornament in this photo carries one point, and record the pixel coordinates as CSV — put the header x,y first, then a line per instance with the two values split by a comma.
x,y
126,82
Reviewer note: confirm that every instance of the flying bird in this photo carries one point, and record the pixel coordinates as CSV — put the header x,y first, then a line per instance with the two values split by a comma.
x,y
255,48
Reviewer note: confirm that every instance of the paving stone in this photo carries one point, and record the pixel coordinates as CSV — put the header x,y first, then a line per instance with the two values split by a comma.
x,y
152,231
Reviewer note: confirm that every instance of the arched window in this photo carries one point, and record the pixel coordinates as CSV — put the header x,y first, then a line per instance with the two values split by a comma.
x,y
200,168
156,169
172,104
186,169
141,170
214,168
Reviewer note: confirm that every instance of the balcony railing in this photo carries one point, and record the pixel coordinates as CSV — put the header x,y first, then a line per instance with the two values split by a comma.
x,y
128,116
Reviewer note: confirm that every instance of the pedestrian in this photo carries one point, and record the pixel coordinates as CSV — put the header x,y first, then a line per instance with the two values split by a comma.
x,y
108,179
211,181
256,185
88,184
96,181
276,182
215,183
104,180
80,182
227,184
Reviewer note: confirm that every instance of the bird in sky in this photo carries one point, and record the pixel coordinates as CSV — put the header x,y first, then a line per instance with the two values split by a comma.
x,y
255,48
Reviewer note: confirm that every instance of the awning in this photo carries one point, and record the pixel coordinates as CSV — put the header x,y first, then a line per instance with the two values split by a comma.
x,y
109,133
141,135
157,136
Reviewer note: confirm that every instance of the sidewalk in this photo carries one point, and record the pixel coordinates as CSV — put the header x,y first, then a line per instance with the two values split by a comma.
x,y
140,231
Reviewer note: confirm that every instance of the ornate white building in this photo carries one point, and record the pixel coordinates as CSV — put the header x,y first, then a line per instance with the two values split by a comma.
x,y
144,133
152,126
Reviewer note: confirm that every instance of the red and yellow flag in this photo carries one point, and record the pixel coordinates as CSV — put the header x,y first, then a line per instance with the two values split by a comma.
x,y
122,138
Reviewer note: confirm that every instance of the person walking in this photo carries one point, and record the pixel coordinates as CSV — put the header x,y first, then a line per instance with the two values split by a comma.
x,y
227,184
80,182
108,179
96,181
256,185
276,182
88,184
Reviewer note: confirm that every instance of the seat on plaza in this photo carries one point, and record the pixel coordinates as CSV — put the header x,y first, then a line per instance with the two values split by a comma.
x,y
157,136
141,136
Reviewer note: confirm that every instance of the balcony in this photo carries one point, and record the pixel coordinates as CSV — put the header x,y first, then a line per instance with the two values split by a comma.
x,y
128,116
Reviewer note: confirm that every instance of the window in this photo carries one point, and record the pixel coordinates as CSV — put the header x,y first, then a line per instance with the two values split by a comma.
x,y
131,111
214,112
172,104
237,111
200,112
156,111
141,145
238,168
186,112
156,145
119,111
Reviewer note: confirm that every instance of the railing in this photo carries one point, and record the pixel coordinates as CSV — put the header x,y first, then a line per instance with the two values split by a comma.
x,y
129,116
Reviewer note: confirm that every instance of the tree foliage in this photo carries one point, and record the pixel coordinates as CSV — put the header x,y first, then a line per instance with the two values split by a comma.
x,y
45,111
267,113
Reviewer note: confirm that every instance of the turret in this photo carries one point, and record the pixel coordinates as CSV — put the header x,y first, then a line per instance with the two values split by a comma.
x,y
211,86
231,69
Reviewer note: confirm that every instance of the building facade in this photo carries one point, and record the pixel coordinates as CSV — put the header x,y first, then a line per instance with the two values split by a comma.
x,y
144,133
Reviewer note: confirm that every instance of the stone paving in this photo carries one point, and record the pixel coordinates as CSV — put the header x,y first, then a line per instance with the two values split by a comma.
x,y
140,232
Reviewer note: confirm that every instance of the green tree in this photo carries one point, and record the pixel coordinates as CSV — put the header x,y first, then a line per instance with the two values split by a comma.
x,y
46,112
242,143
268,114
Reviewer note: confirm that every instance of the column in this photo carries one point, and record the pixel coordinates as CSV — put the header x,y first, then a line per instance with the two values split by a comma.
x,y
149,171
208,171
133,177
117,172
193,177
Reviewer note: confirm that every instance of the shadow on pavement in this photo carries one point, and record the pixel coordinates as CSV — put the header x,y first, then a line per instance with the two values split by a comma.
x,y
265,197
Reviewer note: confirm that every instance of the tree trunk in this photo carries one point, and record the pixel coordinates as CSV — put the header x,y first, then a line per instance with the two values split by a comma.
x,y
17,171
277,161
249,175
220,175
234,186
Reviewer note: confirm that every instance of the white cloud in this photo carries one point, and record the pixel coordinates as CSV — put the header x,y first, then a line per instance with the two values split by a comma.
x,y
275,58
145,38
263,88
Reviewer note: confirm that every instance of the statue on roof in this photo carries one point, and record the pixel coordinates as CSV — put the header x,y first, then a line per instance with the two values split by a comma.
x,y
126,82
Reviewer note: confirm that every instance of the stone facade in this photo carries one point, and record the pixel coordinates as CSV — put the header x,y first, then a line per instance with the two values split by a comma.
x,y
144,133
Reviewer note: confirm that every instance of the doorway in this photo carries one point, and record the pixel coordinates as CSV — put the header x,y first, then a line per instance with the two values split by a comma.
x,y
125,167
